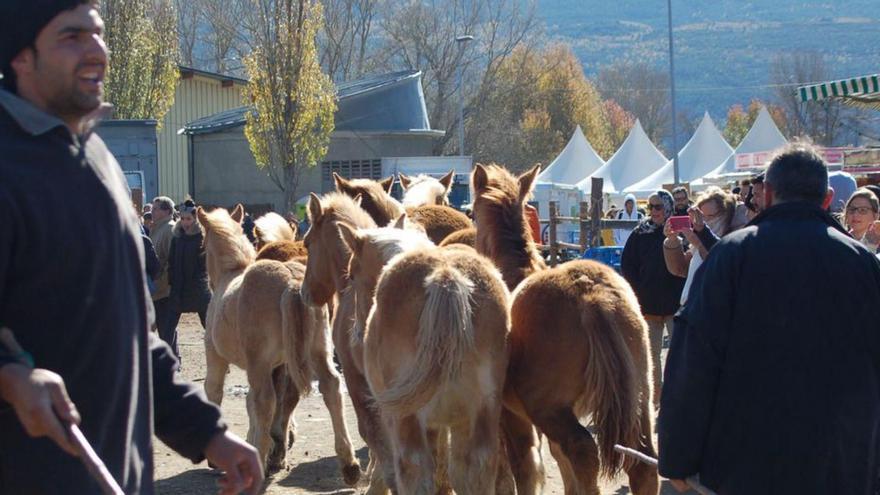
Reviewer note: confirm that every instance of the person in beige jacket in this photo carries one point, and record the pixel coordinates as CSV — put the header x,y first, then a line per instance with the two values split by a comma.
x,y
161,234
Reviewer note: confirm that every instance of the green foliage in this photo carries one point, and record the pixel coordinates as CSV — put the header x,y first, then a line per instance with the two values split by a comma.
x,y
141,36
739,121
293,99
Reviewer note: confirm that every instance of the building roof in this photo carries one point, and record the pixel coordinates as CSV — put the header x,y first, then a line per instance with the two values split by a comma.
x,y
187,72
386,102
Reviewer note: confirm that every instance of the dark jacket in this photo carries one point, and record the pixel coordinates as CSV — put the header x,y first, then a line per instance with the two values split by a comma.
x,y
772,381
187,273
644,268
73,291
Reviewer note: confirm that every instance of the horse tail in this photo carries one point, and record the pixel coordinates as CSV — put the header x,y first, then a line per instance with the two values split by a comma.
x,y
445,336
612,392
300,324
272,227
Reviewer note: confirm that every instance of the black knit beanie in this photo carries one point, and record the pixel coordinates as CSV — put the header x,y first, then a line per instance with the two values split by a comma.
x,y
20,23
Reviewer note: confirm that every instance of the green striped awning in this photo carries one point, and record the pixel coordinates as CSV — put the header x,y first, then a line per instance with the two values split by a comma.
x,y
863,91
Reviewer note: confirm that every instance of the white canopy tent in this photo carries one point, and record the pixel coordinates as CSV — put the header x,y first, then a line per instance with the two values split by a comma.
x,y
575,162
636,159
705,150
763,137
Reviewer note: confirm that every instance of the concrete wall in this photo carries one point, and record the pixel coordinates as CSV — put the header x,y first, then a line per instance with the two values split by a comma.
x,y
225,171
133,143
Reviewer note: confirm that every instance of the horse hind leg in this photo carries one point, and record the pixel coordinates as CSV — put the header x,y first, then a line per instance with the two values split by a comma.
x,y
475,454
261,409
523,453
565,468
643,479
413,459
329,386
438,439
216,371
576,444
282,431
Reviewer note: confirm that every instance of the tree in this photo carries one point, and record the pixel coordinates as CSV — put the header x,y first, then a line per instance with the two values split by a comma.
x,y
643,91
294,101
739,121
822,121
141,36
224,36
345,40
187,28
422,35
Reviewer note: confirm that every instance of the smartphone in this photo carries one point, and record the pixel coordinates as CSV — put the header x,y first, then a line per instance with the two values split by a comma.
x,y
679,224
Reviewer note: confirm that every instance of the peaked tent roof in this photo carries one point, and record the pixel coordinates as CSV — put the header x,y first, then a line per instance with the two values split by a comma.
x,y
763,136
705,150
636,159
575,162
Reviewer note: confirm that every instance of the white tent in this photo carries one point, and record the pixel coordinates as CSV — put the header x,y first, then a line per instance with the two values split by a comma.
x,y
636,159
763,137
705,150
576,161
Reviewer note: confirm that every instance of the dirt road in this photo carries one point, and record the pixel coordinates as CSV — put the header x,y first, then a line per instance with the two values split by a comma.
x,y
313,466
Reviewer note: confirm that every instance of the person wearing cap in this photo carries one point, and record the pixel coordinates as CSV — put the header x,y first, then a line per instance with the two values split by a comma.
x,y
72,286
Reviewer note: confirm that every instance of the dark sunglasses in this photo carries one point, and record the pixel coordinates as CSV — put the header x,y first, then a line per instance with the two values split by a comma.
x,y
655,206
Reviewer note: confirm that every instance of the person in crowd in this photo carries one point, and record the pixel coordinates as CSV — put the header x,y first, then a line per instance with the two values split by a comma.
x,y
75,299
187,274
755,200
844,185
682,201
735,191
247,224
710,220
161,232
771,382
151,261
147,222
612,212
629,212
862,218
644,268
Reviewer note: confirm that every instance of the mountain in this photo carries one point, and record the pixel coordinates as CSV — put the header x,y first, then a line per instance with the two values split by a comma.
x,y
724,49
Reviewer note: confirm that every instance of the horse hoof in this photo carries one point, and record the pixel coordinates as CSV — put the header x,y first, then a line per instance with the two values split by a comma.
x,y
351,474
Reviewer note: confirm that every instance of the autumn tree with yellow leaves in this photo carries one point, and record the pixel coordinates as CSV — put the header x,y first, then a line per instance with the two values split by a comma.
x,y
293,100
141,36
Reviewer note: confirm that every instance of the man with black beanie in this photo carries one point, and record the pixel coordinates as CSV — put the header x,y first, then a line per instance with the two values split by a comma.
x,y
72,284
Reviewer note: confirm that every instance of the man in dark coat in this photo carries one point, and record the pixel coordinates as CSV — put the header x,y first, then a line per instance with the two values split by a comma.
x,y
772,381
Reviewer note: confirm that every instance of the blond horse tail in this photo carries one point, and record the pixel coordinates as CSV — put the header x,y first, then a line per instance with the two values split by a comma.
x,y
300,324
272,227
445,336
612,392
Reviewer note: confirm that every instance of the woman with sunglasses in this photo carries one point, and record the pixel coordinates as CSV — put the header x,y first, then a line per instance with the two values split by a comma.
x,y
862,218
644,267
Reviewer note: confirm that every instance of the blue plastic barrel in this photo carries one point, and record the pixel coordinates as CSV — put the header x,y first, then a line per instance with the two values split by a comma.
x,y
609,255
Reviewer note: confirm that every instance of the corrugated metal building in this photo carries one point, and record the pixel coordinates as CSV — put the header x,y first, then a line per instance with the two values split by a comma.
x,y
198,94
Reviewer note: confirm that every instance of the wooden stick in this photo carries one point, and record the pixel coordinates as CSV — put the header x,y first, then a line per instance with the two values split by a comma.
x,y
87,454
692,481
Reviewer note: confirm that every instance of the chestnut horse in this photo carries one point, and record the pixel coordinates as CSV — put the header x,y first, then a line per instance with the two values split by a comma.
x,y
257,321
436,359
276,239
326,277
438,221
467,236
579,348
425,190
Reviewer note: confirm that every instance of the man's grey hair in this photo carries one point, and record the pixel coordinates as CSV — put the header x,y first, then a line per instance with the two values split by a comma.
x,y
164,202
798,173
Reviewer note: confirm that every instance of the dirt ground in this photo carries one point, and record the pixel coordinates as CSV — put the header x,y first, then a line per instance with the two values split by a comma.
x,y
312,464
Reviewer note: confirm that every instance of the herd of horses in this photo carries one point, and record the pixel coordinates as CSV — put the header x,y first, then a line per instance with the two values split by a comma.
x,y
460,349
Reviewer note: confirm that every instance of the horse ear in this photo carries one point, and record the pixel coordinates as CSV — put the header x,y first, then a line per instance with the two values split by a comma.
x,y
350,237
238,213
401,222
341,184
358,199
387,184
315,209
527,181
405,181
479,177
202,216
446,180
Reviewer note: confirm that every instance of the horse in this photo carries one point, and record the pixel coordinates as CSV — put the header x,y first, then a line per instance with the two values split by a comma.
x,y
425,190
257,321
276,239
467,237
579,347
438,221
325,279
435,360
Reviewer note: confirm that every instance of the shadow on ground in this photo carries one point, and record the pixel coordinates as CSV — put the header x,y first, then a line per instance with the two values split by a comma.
x,y
200,480
312,474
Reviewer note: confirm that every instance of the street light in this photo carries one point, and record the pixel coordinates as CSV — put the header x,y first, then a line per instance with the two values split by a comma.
x,y
672,96
461,40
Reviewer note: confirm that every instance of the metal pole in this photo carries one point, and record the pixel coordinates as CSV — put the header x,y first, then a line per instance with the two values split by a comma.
x,y
460,111
672,96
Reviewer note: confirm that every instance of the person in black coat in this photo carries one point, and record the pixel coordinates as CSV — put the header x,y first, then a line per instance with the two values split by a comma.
x,y
644,267
187,273
772,381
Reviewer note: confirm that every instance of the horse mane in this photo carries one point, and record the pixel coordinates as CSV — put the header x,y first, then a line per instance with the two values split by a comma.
x,y
502,230
345,209
234,251
272,227
391,241
423,190
374,199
